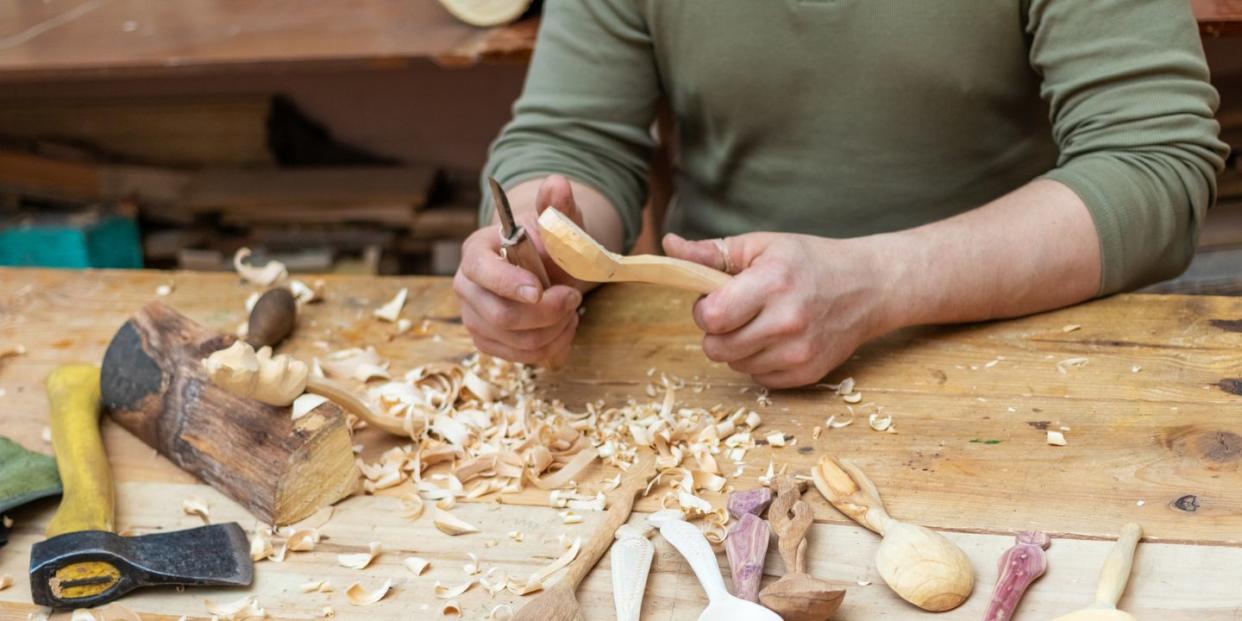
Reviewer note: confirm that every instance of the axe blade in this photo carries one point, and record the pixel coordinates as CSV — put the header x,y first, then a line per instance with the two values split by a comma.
x,y
91,567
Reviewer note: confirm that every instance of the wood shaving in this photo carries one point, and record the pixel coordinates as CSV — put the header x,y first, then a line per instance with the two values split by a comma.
x,y
243,371
1056,438
451,609
471,568
46,434
1070,363
443,591
197,506
328,612
569,517
536,580
853,397
82,614
362,559
880,423
238,610
502,612
362,365
6,581
164,291
776,439
41,615
359,596
304,294
833,423
451,524
1070,327
303,540
391,310
271,272
411,506
260,543
416,565
495,581
320,586
305,403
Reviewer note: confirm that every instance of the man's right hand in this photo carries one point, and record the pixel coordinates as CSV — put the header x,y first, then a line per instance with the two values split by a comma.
x,y
507,311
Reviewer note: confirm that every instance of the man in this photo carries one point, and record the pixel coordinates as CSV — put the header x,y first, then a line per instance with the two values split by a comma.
x,y
860,165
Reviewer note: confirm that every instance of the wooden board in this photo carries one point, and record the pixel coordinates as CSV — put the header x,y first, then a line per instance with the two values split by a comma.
x,y
1146,445
93,38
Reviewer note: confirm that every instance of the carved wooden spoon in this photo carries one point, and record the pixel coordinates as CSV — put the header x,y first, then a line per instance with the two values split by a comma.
x,y
691,543
585,259
747,544
1019,566
558,602
1113,580
797,596
919,564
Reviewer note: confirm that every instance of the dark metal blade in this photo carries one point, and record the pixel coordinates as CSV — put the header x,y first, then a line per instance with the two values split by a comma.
x,y
217,555
501,203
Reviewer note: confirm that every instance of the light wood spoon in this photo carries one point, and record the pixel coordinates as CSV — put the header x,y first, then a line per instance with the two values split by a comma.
x,y
558,603
692,545
919,564
1113,580
585,259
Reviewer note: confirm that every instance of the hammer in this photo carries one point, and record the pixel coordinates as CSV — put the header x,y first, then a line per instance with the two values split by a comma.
x,y
83,563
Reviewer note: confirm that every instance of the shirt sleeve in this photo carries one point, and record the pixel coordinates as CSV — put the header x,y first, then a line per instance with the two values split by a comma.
x,y
587,106
1132,114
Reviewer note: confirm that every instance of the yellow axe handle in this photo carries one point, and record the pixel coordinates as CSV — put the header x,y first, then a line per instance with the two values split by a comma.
x,y
89,500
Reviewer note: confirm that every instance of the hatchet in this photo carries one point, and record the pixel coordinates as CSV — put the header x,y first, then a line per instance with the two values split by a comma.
x,y
83,563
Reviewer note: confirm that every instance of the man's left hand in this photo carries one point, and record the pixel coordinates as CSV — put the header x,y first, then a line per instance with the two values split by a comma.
x,y
798,305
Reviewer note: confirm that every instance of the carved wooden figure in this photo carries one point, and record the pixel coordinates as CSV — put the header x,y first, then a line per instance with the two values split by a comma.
x,y
1019,566
746,548
797,596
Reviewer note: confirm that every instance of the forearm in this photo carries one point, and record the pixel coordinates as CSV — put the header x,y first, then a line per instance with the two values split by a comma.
x,y
1032,250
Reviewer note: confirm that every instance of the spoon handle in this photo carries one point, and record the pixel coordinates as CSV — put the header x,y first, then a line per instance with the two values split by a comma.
x,y
851,492
1116,570
691,543
631,562
671,272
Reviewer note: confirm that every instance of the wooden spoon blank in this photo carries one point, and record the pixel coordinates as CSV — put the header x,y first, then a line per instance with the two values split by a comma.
x,y
585,259
1113,578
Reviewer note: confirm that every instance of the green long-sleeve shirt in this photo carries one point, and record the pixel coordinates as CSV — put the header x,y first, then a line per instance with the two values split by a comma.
x,y
843,118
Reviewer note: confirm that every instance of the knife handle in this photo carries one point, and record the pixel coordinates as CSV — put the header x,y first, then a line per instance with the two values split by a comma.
x,y
523,254
89,500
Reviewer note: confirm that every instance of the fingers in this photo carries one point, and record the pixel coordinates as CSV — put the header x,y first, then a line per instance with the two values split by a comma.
x,y
493,311
732,306
555,353
705,252
532,339
482,264
557,193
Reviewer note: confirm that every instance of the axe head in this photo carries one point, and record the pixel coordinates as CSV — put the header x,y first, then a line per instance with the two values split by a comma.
x,y
92,567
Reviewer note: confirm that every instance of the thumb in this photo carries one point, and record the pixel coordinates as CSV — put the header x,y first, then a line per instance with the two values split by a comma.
x,y
724,254
559,195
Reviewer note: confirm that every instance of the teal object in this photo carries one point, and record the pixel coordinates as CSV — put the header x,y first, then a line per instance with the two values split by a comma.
x,y
104,241
25,475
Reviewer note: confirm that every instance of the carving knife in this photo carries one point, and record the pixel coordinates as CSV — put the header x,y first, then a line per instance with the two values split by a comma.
x,y
515,244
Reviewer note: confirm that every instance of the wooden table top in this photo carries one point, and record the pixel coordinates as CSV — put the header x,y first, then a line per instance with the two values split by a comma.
x,y
47,39
1154,418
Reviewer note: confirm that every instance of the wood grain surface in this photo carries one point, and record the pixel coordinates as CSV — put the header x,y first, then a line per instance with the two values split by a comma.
x,y
1155,436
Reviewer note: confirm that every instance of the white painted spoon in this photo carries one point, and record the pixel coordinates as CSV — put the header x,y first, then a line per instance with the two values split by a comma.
x,y
630,558
691,543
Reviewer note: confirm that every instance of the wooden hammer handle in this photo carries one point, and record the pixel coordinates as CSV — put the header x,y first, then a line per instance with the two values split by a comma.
x,y
89,500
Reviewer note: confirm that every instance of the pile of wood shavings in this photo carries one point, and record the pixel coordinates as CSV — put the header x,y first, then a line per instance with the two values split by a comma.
x,y
483,417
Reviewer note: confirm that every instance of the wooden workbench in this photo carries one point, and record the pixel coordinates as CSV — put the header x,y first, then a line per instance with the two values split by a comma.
x,y
1155,436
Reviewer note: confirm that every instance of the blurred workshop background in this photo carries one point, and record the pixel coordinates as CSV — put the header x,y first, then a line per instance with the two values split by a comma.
x,y
336,136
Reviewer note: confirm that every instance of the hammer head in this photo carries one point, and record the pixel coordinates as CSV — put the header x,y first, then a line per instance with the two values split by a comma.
x,y
91,567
